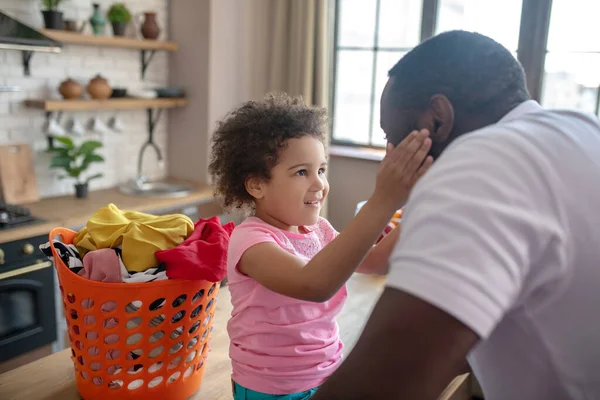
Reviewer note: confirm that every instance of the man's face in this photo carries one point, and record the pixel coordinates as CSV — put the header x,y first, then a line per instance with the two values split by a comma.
x,y
399,123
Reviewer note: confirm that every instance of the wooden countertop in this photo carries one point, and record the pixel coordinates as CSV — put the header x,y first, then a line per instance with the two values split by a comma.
x,y
71,212
52,377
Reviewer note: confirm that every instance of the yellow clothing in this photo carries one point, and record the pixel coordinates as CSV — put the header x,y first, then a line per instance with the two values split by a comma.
x,y
139,235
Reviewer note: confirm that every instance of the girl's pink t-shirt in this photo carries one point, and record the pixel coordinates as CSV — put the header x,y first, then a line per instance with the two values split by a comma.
x,y
280,345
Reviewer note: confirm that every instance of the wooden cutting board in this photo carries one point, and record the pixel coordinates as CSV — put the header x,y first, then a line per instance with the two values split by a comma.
x,y
18,184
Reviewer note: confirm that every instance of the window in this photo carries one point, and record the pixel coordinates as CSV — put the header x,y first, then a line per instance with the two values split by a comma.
x,y
556,42
572,67
372,35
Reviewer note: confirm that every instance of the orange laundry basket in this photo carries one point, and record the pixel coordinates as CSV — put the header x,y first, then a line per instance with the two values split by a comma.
x,y
136,340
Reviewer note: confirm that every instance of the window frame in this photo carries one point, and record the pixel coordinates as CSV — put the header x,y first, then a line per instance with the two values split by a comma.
x,y
531,52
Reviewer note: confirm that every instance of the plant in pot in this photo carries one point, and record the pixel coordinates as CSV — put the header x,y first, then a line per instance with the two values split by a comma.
x,y
75,160
53,19
119,16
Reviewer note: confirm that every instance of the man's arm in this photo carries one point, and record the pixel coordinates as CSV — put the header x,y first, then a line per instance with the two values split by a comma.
x,y
408,350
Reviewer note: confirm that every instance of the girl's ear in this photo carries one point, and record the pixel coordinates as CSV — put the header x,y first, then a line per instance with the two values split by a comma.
x,y
255,187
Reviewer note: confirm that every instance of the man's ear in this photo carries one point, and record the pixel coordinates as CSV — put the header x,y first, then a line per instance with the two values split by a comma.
x,y
255,187
442,114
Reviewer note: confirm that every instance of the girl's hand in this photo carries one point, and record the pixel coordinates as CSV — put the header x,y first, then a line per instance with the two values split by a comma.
x,y
400,170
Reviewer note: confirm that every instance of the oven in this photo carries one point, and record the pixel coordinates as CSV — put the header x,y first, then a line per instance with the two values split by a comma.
x,y
27,298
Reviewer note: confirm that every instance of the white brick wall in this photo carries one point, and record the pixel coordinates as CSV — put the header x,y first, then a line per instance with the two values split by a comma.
x,y
121,67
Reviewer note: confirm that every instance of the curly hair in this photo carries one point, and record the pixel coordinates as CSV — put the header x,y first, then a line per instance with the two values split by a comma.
x,y
247,142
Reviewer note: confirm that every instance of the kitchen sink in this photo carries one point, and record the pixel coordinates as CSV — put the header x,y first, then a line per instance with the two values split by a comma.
x,y
157,188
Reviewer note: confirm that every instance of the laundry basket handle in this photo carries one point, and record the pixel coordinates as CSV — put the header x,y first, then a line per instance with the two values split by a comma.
x,y
66,235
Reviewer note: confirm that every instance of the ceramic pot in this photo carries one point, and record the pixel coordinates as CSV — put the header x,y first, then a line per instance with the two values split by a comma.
x,y
118,28
99,88
97,20
81,190
70,89
53,19
150,28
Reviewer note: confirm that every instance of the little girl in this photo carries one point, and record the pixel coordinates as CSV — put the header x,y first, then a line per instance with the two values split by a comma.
x,y
286,265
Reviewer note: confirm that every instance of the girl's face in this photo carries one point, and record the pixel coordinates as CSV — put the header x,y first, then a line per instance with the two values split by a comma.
x,y
298,187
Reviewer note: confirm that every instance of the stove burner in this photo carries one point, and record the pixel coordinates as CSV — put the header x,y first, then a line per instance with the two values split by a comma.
x,y
12,216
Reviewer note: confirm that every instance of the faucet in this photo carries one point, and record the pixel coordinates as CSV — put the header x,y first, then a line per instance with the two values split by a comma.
x,y
140,178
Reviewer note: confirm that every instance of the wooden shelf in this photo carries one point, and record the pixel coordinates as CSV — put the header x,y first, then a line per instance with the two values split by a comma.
x,y
108,41
109,104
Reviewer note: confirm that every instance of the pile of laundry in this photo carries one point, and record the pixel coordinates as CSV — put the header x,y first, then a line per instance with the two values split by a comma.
x,y
131,247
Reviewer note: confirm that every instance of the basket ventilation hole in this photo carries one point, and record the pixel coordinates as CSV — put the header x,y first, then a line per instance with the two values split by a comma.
x,y
156,336
134,323
71,298
212,289
174,362
198,296
113,354
188,371
179,300
134,306
135,354
155,382
79,345
95,366
178,317
135,384
207,320
91,335
111,339
176,347
116,384
177,332
84,375
196,311
76,329
93,351
155,367
174,377
133,339
109,306
87,303
98,381
136,369
110,323
190,357
114,369
194,327
157,320
192,342
209,305
157,304
89,320
156,352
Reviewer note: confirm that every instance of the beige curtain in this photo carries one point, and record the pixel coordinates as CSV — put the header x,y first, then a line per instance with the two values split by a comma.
x,y
299,44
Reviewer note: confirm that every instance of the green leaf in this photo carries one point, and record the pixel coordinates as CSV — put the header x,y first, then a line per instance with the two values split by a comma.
x,y
66,141
60,161
95,176
90,158
89,147
74,172
63,151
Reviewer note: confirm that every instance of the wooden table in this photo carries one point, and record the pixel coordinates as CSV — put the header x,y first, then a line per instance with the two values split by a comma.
x,y
52,378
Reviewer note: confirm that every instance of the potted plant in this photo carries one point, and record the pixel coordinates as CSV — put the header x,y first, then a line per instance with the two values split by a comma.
x,y
75,160
53,19
119,16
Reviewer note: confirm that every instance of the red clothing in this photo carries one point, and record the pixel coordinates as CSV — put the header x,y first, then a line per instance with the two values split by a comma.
x,y
202,256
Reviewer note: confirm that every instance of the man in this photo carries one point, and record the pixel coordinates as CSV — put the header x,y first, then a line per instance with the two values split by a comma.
x,y
499,257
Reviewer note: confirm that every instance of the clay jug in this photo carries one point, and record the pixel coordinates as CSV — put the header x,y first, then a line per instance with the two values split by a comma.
x,y
150,28
69,89
99,89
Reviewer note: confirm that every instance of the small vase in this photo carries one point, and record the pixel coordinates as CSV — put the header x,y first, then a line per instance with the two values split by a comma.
x,y
97,20
99,88
81,190
150,28
69,89
118,28
53,19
